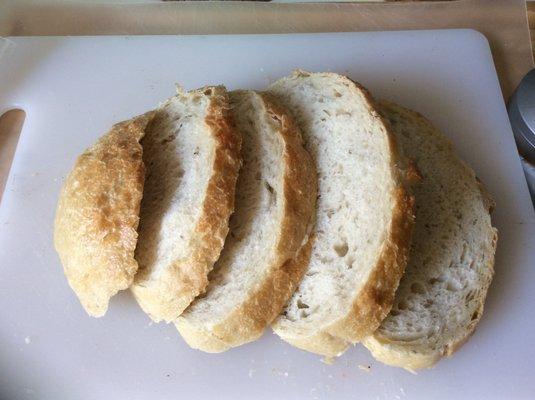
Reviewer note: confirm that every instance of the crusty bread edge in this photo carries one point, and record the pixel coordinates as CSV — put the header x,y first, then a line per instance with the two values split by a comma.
x,y
167,299
247,322
376,298
229,333
122,275
374,302
320,342
378,345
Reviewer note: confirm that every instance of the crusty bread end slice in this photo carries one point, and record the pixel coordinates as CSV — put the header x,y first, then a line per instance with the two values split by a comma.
x,y
364,214
98,214
441,296
191,152
275,197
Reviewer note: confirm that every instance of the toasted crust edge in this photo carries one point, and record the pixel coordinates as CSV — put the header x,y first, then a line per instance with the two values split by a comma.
x,y
222,337
376,299
169,297
248,322
379,345
93,215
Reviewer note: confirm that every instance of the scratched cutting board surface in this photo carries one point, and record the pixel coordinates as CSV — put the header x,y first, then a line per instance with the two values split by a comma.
x,y
74,89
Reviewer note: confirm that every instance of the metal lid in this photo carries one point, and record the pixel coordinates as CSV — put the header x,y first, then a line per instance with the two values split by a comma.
x,y
521,110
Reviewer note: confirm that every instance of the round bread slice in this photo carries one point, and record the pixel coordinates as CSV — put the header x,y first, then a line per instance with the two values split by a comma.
x,y
275,197
191,152
364,214
440,298
98,214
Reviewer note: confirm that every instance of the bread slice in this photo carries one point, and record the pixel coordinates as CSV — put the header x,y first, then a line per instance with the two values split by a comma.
x,y
98,213
275,197
191,151
440,298
364,214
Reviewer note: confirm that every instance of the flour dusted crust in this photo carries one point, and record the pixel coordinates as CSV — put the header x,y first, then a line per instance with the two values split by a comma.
x,y
98,214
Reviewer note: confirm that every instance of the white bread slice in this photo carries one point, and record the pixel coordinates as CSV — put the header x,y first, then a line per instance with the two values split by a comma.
x,y
98,213
275,197
191,152
440,298
364,215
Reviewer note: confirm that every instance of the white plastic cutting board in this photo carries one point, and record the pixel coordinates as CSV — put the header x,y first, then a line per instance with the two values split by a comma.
x,y
73,89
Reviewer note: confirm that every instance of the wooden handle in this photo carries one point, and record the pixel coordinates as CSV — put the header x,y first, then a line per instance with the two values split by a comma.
x,y
10,126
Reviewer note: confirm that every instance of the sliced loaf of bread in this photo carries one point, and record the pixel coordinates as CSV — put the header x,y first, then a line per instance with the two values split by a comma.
x,y
440,298
95,230
275,197
364,214
191,152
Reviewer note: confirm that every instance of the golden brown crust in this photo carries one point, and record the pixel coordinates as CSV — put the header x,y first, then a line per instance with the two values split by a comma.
x,y
300,184
375,300
98,214
248,321
213,226
177,286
